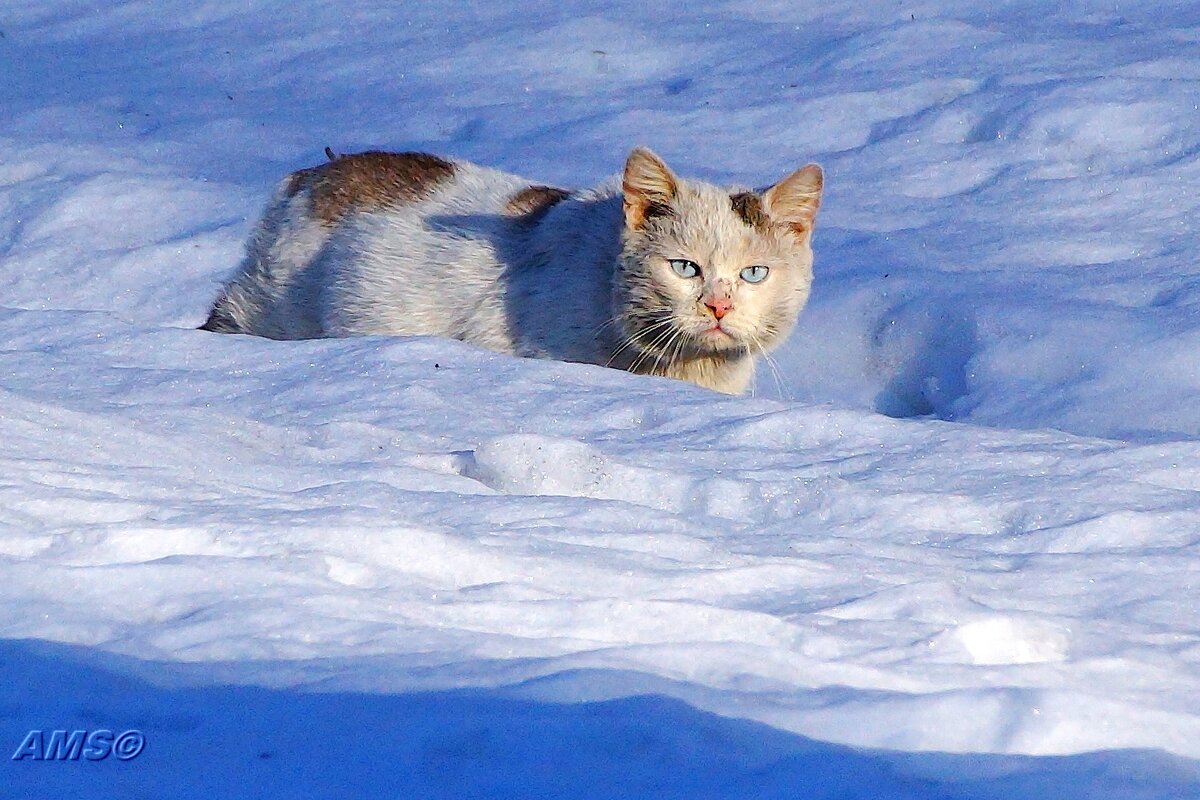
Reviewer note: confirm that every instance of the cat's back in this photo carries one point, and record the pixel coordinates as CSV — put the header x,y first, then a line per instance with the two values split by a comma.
x,y
414,244
377,242
400,195
424,245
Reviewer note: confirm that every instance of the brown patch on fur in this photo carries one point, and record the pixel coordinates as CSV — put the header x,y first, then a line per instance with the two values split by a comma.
x,y
296,181
749,207
534,201
369,180
655,210
637,216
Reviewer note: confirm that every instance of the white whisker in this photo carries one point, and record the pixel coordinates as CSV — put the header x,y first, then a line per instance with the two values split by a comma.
x,y
775,375
666,348
633,340
650,348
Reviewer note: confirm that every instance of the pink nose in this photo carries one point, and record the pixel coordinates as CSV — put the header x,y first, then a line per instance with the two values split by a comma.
x,y
719,306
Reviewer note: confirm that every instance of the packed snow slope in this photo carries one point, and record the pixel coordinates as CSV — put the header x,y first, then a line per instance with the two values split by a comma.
x,y
949,548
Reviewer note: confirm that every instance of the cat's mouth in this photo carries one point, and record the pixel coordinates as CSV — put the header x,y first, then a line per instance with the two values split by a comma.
x,y
715,331
690,339
716,337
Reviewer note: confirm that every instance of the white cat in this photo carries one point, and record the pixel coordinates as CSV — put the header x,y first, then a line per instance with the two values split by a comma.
x,y
658,275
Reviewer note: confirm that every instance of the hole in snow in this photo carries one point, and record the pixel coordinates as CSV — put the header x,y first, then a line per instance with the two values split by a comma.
x,y
922,348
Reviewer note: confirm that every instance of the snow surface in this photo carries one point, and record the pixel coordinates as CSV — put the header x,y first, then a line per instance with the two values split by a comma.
x,y
948,549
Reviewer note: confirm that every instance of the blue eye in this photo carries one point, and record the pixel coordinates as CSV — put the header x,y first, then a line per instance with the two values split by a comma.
x,y
755,274
684,268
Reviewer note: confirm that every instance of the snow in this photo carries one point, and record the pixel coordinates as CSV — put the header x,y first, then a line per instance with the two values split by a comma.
x,y
947,549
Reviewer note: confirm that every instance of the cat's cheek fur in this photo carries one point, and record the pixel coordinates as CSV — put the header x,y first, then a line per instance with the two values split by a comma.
x,y
410,244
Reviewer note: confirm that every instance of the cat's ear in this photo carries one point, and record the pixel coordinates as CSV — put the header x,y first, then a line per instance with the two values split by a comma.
x,y
795,199
649,187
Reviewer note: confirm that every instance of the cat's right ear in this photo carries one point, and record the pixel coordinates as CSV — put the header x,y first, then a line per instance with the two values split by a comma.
x,y
649,187
795,199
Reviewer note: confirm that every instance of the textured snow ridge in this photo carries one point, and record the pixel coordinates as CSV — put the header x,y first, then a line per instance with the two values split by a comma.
x,y
948,547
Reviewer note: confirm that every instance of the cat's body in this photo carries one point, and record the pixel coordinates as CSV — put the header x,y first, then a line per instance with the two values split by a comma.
x,y
410,244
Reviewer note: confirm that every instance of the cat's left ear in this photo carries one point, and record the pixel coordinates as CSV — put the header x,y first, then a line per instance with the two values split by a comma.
x,y
649,187
795,199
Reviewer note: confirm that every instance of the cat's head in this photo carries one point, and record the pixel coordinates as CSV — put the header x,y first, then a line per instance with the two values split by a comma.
x,y
708,272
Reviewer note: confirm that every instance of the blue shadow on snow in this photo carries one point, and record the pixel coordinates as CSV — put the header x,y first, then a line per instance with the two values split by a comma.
x,y
238,741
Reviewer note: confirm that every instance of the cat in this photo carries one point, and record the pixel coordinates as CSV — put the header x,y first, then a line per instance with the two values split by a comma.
x,y
653,274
